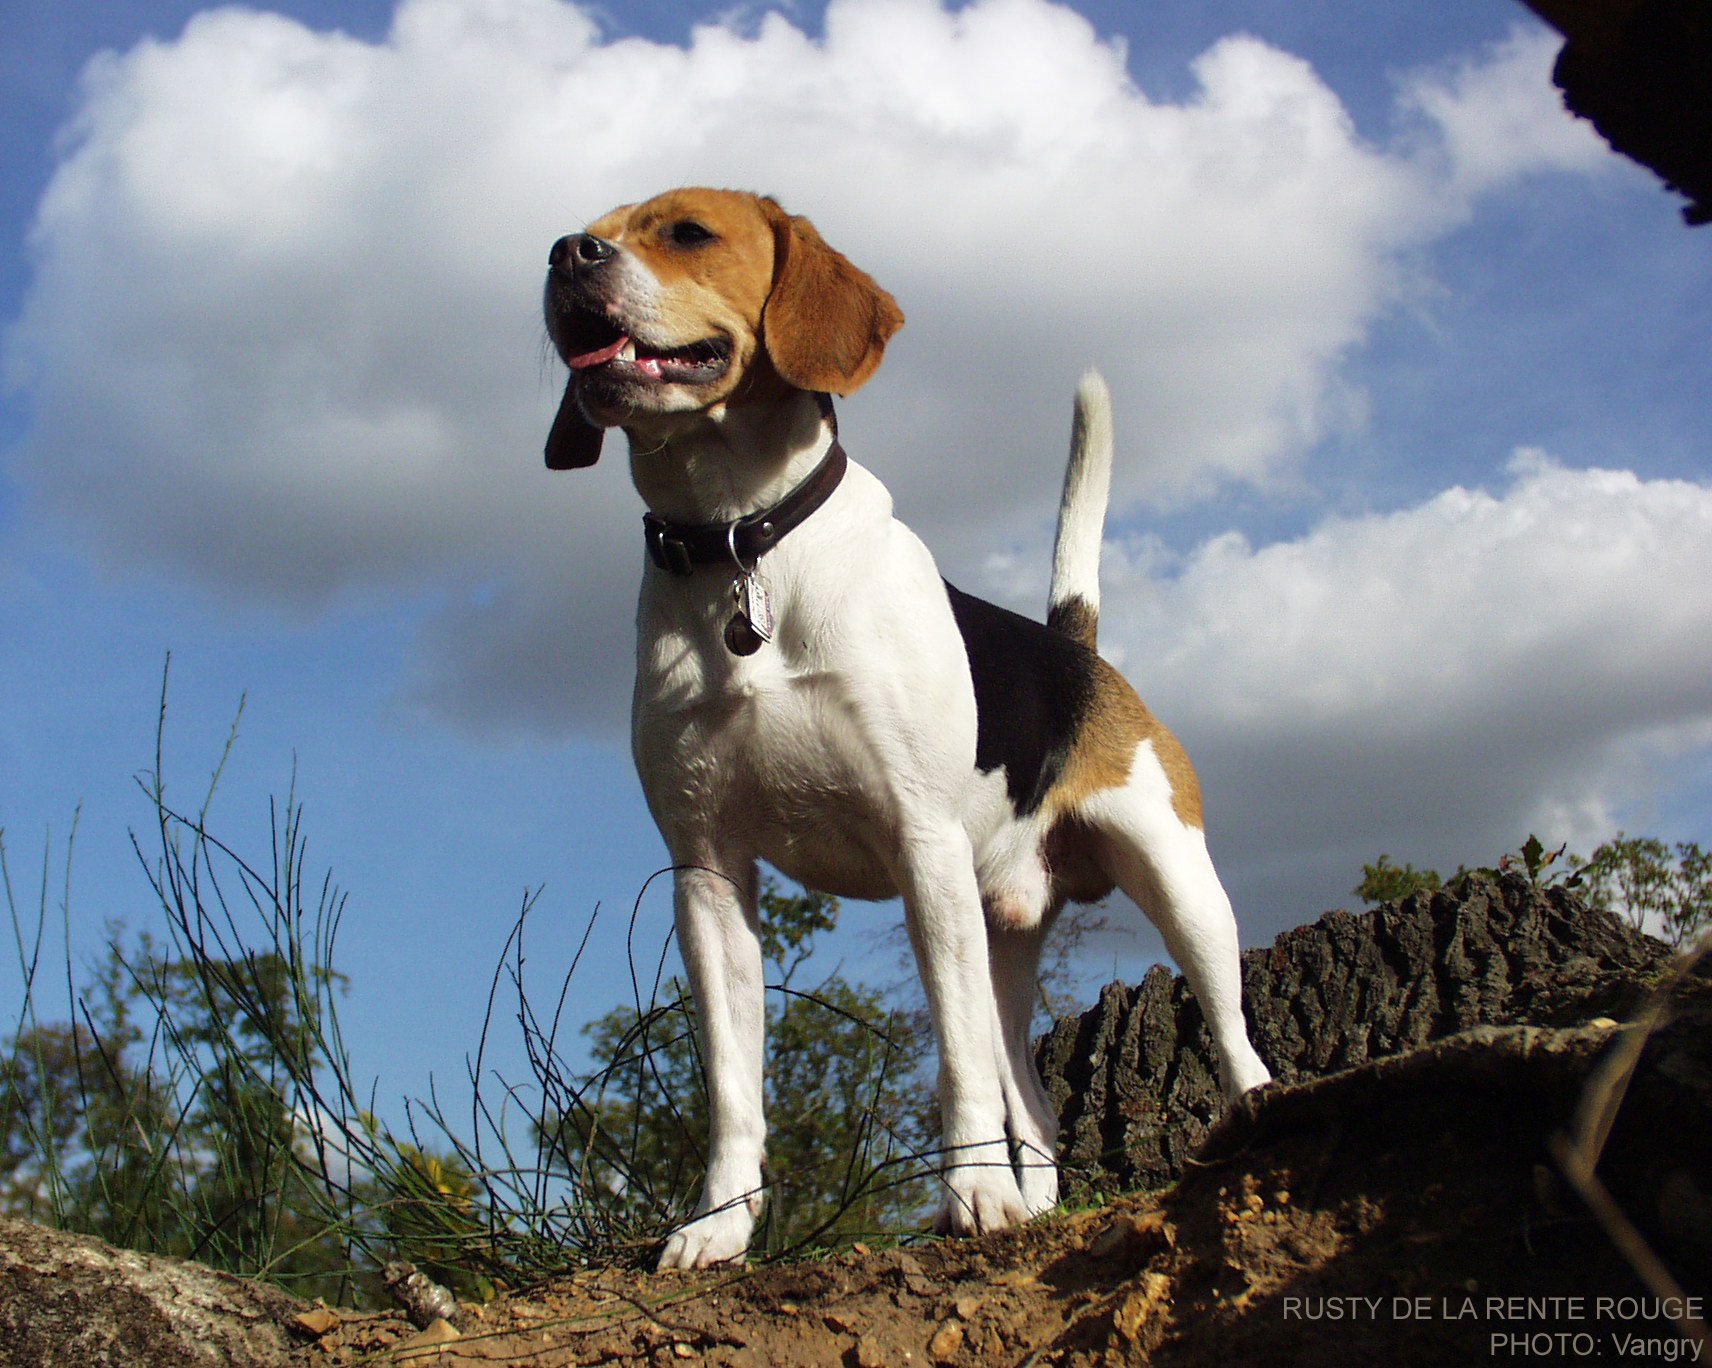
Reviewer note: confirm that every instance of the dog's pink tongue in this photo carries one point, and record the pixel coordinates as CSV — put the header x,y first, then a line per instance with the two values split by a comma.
x,y
597,358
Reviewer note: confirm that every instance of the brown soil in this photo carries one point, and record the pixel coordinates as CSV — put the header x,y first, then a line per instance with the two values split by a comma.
x,y
1405,1212
1397,1201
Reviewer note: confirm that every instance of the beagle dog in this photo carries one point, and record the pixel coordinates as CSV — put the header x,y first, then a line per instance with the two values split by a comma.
x,y
811,693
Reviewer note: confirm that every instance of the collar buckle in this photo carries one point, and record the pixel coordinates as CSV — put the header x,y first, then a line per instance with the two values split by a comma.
x,y
666,549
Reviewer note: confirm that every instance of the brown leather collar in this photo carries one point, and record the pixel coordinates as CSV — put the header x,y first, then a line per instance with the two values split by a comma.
x,y
679,547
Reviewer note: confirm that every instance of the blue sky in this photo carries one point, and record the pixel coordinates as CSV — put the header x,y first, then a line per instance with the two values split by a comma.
x,y
1412,520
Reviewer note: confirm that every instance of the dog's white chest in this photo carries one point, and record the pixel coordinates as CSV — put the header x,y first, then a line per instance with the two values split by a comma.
x,y
765,753
854,723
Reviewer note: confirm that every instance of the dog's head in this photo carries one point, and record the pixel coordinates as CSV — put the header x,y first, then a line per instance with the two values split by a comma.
x,y
702,297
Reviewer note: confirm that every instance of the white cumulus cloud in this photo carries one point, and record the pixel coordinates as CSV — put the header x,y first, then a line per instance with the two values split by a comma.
x,y
281,341
1498,116
1429,681
281,338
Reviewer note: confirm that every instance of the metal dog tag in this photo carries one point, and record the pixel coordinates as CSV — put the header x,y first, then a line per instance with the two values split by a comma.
x,y
752,624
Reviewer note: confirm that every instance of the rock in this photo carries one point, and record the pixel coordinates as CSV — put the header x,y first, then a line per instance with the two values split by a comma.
x,y
1133,1236
70,1299
1131,1316
422,1299
427,1342
317,1321
1134,1079
946,1342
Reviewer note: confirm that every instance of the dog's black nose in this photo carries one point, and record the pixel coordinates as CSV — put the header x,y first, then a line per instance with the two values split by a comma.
x,y
579,249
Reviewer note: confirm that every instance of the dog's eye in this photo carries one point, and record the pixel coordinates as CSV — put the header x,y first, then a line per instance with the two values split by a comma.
x,y
688,233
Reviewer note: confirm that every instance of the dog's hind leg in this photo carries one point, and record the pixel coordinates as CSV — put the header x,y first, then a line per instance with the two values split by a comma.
x,y
719,938
1013,954
1161,863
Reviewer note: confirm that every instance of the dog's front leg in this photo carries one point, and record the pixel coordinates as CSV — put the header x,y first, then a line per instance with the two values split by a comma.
x,y
718,936
942,906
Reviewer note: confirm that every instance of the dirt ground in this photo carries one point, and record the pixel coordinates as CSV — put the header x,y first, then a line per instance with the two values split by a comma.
x,y
1408,1206
1404,1214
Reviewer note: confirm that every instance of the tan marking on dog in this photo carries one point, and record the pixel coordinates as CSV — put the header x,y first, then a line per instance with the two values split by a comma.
x,y
767,279
735,268
1118,722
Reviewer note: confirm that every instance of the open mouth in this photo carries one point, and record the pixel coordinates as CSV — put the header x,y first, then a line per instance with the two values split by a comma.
x,y
590,341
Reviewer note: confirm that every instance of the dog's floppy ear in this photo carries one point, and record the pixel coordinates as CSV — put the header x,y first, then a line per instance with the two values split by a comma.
x,y
574,442
826,323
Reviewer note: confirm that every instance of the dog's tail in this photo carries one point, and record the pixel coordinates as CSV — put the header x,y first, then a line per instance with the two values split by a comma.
x,y
1074,607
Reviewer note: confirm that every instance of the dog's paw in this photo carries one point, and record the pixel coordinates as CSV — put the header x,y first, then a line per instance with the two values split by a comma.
x,y
716,1238
1243,1074
981,1199
1039,1183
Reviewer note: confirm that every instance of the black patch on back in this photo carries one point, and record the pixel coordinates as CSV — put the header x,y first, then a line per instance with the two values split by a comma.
x,y
1033,689
1074,618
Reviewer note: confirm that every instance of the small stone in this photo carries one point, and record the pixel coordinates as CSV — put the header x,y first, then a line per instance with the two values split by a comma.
x,y
946,1341
869,1354
1134,1234
428,1340
1142,1305
424,1300
318,1321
